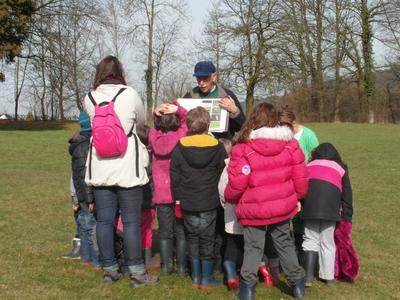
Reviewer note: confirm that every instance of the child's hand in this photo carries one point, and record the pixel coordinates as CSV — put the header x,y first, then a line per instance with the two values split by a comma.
x,y
169,109
298,206
159,110
91,207
165,109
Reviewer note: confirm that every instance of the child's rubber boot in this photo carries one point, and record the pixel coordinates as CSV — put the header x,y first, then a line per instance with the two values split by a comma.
x,y
231,276
310,260
246,291
299,291
166,256
196,272
149,262
75,252
181,258
266,274
207,271
274,271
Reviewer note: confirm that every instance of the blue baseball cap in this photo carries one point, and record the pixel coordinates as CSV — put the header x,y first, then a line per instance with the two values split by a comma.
x,y
204,69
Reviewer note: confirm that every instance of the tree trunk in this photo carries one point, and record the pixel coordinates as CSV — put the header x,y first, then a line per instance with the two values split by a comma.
x,y
338,60
149,71
320,77
366,39
16,100
390,104
249,100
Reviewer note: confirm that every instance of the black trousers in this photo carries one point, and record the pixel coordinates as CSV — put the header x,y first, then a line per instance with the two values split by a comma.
x,y
234,248
200,233
168,225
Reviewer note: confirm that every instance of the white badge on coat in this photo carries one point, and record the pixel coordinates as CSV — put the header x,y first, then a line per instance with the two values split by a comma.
x,y
246,170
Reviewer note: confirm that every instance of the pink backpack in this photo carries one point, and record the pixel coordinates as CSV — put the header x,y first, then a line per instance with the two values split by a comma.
x,y
109,138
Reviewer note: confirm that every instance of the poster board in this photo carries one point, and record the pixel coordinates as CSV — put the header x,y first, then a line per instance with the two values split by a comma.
x,y
219,116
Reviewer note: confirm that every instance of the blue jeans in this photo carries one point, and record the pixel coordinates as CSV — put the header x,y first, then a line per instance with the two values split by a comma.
x,y
86,223
129,200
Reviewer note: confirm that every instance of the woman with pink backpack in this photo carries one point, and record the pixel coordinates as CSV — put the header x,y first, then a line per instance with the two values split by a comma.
x,y
116,168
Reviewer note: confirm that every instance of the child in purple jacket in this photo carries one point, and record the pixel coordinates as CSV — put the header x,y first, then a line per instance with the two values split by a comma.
x,y
169,127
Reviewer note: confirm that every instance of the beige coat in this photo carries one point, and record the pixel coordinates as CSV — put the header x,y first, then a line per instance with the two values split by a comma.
x,y
119,171
231,224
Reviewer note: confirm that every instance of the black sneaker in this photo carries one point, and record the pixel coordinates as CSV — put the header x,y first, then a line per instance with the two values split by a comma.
x,y
145,279
111,277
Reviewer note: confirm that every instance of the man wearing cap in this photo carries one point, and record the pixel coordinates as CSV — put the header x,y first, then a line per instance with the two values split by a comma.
x,y
207,87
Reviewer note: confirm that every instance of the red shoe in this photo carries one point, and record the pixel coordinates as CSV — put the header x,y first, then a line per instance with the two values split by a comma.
x,y
268,280
233,283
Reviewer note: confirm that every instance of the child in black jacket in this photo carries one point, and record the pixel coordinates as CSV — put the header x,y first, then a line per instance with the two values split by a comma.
x,y
196,165
329,199
79,148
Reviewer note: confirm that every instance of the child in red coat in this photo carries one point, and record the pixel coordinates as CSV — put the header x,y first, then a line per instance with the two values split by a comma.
x,y
267,177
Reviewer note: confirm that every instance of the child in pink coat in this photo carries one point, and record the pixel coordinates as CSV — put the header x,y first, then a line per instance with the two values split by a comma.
x,y
267,177
169,127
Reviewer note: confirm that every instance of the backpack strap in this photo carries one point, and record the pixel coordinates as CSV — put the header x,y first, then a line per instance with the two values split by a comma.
x,y
131,131
92,99
119,92
137,154
90,159
113,100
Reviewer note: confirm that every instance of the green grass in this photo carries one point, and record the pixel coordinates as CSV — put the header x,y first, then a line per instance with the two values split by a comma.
x,y
36,223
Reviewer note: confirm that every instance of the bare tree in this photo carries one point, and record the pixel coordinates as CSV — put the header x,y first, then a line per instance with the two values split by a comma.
x,y
19,84
243,37
151,18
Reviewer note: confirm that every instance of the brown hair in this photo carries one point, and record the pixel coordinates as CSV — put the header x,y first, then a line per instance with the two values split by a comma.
x,y
142,131
262,115
227,145
198,120
167,122
286,117
109,69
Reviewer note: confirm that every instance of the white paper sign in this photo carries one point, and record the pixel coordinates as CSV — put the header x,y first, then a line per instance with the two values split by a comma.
x,y
219,116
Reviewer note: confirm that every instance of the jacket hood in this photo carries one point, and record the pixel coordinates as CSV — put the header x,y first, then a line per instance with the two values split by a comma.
x,y
199,150
270,141
163,144
76,140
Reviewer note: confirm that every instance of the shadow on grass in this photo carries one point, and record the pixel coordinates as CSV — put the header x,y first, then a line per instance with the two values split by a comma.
x,y
284,288
34,125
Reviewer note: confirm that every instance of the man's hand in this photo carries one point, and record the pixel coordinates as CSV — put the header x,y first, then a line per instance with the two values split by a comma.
x,y
91,207
229,104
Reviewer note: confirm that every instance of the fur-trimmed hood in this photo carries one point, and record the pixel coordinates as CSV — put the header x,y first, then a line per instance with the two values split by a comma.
x,y
274,133
270,141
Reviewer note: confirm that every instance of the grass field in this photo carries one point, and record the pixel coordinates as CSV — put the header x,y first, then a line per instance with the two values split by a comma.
x,y
36,223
